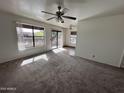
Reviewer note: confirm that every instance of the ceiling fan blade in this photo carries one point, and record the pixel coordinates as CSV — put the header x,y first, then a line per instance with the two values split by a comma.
x,y
65,10
50,18
57,19
69,17
48,13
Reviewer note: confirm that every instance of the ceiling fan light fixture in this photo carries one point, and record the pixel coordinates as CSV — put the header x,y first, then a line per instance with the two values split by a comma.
x,y
60,14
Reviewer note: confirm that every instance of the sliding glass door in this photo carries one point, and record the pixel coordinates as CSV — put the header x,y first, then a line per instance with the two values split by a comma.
x,y
56,39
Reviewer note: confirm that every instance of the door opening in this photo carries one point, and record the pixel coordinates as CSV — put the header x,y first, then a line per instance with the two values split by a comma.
x,y
56,39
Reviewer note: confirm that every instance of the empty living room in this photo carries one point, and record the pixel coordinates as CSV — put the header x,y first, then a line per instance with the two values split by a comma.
x,y
61,46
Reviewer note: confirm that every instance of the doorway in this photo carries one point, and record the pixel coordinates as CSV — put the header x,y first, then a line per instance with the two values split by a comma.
x,y
56,39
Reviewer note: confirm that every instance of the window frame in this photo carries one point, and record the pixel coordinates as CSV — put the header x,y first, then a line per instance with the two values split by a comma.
x,y
38,28
73,33
28,26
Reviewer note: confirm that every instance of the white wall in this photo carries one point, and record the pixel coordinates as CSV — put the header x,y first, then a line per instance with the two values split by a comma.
x,y
102,37
8,38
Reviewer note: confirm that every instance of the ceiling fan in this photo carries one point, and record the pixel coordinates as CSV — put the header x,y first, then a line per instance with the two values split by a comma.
x,y
59,15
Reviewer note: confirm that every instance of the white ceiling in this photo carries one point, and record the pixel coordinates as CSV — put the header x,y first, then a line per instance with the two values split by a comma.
x,y
82,9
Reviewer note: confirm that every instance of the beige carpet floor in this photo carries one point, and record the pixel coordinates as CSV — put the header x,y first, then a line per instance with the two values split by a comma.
x,y
58,72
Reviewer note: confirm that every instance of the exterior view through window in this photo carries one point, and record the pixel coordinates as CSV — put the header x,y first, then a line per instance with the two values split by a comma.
x,y
29,36
56,39
73,37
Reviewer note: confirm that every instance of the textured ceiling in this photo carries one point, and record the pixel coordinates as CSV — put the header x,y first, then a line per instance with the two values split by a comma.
x,y
82,9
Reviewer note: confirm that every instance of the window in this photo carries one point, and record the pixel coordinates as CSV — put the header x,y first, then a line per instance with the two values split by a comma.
x,y
39,36
29,36
73,36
